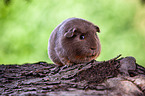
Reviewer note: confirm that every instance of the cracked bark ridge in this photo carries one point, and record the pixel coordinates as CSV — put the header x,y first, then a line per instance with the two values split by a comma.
x,y
115,77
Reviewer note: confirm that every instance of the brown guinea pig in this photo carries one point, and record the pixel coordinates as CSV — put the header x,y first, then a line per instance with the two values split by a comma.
x,y
74,41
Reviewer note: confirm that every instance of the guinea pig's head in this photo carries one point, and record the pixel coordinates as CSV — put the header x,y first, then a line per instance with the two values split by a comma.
x,y
80,40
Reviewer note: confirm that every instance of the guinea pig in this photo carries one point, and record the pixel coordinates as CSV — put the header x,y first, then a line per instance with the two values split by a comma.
x,y
74,41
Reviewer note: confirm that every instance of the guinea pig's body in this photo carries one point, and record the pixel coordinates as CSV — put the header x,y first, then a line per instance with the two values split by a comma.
x,y
74,41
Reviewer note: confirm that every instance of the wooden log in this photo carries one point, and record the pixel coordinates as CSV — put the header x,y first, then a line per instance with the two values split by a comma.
x,y
115,77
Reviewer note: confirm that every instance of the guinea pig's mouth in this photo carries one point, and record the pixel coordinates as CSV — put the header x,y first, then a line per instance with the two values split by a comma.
x,y
93,55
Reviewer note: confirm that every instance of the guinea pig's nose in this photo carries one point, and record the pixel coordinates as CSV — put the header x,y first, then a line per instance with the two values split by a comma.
x,y
93,48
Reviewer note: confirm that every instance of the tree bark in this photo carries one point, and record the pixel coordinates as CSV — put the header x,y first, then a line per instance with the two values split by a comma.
x,y
115,77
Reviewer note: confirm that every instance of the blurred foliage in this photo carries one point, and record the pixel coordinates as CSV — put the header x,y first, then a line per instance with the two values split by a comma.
x,y
25,26
143,1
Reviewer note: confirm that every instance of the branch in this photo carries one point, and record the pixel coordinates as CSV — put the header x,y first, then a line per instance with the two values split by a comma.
x,y
118,76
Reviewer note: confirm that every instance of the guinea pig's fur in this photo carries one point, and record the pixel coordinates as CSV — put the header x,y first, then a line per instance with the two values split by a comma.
x,y
74,41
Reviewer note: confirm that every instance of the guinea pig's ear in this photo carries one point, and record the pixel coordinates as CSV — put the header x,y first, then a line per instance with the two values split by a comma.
x,y
70,32
97,28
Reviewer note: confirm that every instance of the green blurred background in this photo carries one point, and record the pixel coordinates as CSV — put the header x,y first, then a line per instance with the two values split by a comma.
x,y
25,27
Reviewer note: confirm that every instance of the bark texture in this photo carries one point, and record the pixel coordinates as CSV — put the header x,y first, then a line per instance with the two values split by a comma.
x,y
115,77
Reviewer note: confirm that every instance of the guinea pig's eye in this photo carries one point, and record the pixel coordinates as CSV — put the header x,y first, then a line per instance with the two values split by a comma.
x,y
82,37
